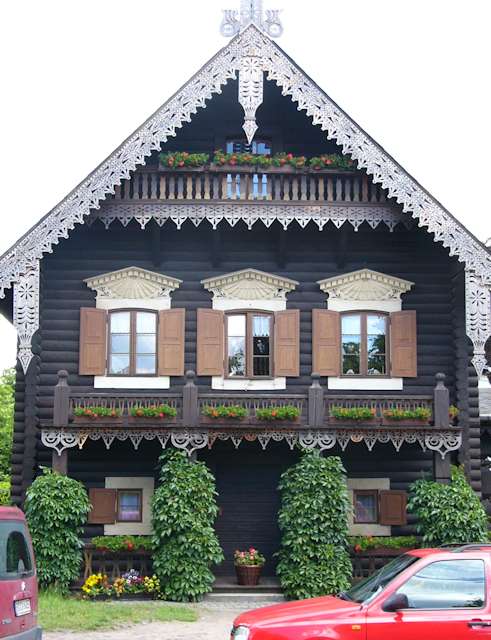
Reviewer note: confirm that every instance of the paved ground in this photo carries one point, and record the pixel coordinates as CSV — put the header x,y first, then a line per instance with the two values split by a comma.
x,y
213,624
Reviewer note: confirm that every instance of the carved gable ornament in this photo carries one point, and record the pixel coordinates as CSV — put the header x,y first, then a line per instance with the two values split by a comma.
x,y
133,283
249,284
365,284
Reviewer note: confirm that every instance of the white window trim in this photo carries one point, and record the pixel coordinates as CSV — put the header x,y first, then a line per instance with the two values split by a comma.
x,y
248,384
132,382
143,528
368,383
367,484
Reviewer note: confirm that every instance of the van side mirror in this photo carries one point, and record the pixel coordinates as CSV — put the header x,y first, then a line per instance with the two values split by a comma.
x,y
395,602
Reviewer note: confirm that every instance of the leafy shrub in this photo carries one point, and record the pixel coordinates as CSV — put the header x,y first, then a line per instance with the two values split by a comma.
x,y
448,512
225,411
7,384
419,413
185,544
154,411
363,543
123,543
56,508
96,412
313,559
288,412
5,492
352,413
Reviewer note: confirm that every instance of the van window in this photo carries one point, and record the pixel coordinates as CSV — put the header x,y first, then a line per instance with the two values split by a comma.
x,y
15,555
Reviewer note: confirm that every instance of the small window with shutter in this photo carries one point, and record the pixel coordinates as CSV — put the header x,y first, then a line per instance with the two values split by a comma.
x,y
379,507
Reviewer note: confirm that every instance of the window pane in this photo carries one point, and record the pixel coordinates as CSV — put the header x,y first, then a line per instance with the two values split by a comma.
x,y
18,556
145,322
236,356
236,325
375,344
120,343
260,326
365,507
351,324
145,343
351,365
376,324
261,366
120,322
447,585
376,366
120,365
129,506
145,364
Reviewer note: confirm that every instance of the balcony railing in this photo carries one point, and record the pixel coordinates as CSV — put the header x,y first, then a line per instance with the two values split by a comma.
x,y
315,407
250,184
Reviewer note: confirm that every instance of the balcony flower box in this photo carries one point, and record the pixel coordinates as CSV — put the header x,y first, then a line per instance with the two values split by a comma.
x,y
353,416
99,416
407,417
162,413
223,414
278,415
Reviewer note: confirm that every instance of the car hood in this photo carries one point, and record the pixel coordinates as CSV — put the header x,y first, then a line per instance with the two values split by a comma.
x,y
298,610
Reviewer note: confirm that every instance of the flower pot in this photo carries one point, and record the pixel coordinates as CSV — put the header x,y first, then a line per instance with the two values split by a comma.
x,y
144,421
248,575
343,422
115,421
226,421
408,422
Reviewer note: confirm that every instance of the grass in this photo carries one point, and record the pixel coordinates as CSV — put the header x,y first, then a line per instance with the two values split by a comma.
x,y
57,613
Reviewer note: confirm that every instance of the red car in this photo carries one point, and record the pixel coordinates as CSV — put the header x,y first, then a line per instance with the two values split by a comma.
x,y
18,584
434,594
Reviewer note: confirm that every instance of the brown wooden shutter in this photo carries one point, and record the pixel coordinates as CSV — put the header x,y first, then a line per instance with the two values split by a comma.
x,y
403,344
210,338
392,507
287,343
103,503
171,342
93,331
326,342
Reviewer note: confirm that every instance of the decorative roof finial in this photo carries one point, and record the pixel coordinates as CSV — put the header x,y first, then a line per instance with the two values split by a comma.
x,y
251,11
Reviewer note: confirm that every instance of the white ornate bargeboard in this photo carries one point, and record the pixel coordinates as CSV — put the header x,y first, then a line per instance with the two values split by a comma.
x,y
21,261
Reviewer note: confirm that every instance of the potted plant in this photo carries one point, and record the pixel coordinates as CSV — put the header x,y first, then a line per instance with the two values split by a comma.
x,y
96,414
248,566
222,413
287,413
160,412
414,417
350,415
176,160
453,414
330,162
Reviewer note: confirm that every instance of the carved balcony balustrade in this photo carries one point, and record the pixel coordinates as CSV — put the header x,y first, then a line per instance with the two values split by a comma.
x,y
191,428
213,183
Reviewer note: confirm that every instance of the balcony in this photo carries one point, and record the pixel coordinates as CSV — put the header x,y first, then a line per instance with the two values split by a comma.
x,y
248,184
190,429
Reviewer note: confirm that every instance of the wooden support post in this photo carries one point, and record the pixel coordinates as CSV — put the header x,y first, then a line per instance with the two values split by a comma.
x,y
441,405
316,402
61,406
59,462
190,416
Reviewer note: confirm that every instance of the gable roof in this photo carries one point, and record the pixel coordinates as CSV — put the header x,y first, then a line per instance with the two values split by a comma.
x,y
20,264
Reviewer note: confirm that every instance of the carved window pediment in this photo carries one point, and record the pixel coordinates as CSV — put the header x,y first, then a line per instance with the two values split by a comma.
x,y
249,284
365,284
133,283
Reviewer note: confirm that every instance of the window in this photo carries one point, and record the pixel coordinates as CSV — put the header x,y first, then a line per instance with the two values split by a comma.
x,y
132,343
448,584
249,345
260,147
15,555
364,339
365,506
129,507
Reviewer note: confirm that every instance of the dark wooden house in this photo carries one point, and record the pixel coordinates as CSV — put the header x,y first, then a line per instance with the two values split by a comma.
x,y
322,285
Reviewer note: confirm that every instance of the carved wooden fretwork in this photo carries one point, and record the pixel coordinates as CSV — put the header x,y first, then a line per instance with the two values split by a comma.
x,y
250,214
249,284
26,313
365,284
440,441
478,317
24,255
133,283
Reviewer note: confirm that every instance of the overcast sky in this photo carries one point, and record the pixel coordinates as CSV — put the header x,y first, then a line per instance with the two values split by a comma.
x,y
78,76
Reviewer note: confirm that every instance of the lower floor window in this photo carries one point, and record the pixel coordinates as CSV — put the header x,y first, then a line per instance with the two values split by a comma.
x,y
129,507
365,506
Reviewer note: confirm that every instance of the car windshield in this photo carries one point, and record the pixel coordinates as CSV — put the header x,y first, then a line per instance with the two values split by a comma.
x,y
15,555
365,590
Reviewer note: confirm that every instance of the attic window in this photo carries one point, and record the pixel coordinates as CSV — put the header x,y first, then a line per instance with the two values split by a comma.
x,y
259,147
